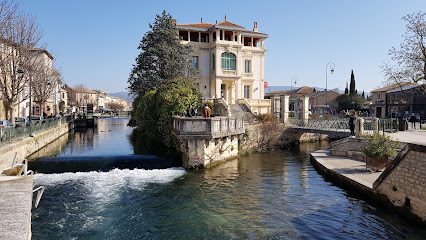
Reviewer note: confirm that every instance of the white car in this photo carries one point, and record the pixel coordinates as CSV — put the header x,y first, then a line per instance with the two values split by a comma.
x,y
4,124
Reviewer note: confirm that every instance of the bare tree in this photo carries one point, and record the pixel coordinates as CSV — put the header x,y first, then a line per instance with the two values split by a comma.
x,y
20,37
116,106
410,58
45,77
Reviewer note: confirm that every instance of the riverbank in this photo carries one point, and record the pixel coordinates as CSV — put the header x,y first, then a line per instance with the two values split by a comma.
x,y
400,186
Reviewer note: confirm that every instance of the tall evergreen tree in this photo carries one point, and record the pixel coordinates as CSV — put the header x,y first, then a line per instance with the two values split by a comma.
x,y
162,57
363,94
352,89
346,89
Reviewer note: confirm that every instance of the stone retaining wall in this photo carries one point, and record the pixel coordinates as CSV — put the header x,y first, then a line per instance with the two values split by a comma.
x,y
405,185
29,145
347,146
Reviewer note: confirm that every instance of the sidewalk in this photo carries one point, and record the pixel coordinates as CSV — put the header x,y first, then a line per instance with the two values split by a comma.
x,y
415,136
15,207
350,168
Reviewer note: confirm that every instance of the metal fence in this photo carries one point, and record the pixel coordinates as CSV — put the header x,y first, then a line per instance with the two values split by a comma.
x,y
340,124
7,135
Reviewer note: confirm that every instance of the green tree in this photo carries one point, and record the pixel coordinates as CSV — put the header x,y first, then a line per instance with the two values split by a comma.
x,y
352,89
410,57
154,111
363,94
162,57
346,89
345,102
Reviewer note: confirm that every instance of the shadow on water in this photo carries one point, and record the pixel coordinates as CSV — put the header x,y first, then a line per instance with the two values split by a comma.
x,y
112,145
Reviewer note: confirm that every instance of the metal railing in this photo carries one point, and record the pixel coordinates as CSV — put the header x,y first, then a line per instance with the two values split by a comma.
x,y
371,125
332,124
7,135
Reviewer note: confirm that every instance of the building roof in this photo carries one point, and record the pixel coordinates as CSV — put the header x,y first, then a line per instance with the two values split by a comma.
x,y
197,25
81,89
229,24
305,90
226,25
392,86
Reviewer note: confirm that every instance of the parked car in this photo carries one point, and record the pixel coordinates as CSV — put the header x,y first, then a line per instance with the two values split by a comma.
x,y
21,121
36,118
4,124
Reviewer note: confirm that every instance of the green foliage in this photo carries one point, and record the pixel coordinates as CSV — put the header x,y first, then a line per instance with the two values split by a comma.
x,y
162,57
380,145
352,89
154,111
246,135
345,102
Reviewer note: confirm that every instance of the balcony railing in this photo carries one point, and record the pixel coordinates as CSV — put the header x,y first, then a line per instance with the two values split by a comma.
x,y
207,128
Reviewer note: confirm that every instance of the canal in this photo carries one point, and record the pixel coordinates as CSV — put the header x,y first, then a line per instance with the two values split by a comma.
x,y
276,195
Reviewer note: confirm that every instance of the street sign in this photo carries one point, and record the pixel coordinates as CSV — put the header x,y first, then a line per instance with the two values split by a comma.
x,y
265,84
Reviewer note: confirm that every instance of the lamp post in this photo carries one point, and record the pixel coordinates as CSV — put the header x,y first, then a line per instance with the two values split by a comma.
x,y
326,71
353,106
291,84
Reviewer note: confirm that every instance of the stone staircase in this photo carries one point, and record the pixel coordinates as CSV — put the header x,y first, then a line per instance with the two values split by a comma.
x,y
242,110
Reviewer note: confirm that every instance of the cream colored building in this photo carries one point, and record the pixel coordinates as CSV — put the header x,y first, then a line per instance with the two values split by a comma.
x,y
229,62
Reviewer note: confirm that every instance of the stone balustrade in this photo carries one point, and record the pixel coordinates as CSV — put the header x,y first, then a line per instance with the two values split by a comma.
x,y
207,128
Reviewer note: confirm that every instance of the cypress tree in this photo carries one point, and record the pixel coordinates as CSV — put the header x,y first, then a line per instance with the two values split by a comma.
x,y
346,89
162,57
352,89
363,94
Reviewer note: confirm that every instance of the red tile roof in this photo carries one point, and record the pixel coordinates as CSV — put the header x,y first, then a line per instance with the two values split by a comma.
x,y
305,90
228,24
197,25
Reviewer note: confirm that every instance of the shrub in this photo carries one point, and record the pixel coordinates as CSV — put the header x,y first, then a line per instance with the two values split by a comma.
x,y
264,118
380,145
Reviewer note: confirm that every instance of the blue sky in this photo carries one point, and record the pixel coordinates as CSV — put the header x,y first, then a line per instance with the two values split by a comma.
x,y
95,42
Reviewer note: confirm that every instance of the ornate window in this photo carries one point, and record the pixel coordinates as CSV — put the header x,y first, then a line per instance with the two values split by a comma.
x,y
228,61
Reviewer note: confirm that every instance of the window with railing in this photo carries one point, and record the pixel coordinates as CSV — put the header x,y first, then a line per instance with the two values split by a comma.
x,y
228,61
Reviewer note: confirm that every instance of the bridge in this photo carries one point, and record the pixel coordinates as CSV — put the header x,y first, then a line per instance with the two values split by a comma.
x,y
339,126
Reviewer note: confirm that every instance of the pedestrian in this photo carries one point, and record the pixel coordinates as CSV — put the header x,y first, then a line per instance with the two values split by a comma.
x,y
352,119
190,111
413,120
206,111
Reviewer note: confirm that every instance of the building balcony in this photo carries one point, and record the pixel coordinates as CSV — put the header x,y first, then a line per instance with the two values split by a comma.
x,y
207,128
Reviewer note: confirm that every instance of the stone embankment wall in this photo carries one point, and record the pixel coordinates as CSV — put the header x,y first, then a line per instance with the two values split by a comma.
x,y
405,185
349,147
261,137
29,145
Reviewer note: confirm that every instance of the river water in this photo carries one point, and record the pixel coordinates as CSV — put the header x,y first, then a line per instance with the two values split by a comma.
x,y
277,195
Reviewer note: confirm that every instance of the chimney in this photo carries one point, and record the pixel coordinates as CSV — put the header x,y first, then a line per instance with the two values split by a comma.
x,y
201,20
255,27
174,21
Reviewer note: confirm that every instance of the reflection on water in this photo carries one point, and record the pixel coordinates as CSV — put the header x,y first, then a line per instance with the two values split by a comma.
x,y
276,195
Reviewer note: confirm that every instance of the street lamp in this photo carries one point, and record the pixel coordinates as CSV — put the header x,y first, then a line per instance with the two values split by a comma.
x,y
332,66
21,74
353,108
291,84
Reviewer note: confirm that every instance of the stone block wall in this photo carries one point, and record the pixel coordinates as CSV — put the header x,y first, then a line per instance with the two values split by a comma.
x,y
29,145
405,185
202,153
347,145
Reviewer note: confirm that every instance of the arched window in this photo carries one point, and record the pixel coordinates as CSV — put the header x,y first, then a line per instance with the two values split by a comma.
x,y
228,61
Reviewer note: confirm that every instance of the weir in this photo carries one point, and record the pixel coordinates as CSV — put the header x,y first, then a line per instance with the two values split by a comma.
x,y
206,141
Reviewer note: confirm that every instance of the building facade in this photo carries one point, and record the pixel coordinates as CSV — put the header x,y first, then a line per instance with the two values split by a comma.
x,y
378,101
229,61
